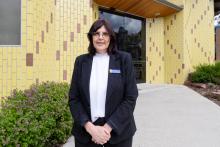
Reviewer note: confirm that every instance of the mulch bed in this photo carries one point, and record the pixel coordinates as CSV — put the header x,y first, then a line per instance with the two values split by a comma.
x,y
209,90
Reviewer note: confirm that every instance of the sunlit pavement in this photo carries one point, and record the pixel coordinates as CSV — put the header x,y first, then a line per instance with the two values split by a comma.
x,y
174,116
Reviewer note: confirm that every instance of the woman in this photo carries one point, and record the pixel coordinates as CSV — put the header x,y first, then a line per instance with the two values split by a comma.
x,y
103,92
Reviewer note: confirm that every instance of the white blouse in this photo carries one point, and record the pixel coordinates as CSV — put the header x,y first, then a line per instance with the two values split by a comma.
x,y
98,85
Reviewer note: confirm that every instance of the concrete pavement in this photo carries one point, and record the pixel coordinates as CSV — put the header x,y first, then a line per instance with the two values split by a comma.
x,y
174,116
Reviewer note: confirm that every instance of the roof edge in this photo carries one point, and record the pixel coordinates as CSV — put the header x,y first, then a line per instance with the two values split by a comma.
x,y
169,4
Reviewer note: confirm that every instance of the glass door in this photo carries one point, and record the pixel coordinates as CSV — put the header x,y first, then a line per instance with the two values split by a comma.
x,y
130,34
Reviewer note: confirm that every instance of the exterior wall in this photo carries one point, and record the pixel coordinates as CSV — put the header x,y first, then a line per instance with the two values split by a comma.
x,y
198,33
155,50
173,48
53,34
188,41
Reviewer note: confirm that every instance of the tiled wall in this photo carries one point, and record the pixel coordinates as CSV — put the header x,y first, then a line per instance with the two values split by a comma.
x,y
183,40
198,33
155,50
173,48
53,34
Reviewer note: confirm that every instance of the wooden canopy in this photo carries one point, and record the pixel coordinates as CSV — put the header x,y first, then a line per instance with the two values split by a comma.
x,y
142,8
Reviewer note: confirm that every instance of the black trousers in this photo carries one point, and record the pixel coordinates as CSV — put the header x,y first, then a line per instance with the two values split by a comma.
x,y
101,121
125,143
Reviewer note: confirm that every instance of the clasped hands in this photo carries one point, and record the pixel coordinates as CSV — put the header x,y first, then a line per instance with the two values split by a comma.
x,y
100,134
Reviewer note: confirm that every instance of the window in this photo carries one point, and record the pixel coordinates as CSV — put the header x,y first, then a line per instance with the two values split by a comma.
x,y
130,35
10,22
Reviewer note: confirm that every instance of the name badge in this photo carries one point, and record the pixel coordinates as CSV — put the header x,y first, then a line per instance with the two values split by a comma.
x,y
115,71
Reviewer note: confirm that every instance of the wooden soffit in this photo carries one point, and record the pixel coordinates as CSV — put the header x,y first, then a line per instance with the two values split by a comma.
x,y
142,8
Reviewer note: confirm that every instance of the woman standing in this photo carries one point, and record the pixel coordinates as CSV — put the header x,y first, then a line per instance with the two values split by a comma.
x,y
103,92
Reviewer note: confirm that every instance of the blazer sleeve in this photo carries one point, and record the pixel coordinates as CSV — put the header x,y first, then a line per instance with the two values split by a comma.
x,y
77,109
119,120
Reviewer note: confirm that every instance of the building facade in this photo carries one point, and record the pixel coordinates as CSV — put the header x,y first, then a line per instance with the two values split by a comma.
x,y
166,38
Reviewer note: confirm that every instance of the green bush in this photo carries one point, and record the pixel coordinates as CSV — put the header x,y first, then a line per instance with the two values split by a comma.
x,y
206,73
38,116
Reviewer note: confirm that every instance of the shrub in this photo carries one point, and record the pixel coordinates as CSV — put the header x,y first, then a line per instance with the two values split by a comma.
x,y
206,73
38,116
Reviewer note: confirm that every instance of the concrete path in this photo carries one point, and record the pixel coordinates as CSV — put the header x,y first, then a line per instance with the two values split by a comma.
x,y
174,116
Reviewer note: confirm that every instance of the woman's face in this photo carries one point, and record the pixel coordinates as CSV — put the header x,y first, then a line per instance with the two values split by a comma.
x,y
101,40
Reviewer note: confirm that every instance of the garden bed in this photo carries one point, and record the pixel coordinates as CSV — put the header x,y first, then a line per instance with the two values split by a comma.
x,y
209,90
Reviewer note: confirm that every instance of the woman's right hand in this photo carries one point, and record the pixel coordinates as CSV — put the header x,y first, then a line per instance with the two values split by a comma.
x,y
100,135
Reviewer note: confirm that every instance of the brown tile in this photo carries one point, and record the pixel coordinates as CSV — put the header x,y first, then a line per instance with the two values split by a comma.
x,y
205,12
193,5
90,3
194,26
159,53
153,78
153,44
171,80
150,39
174,51
208,8
150,63
175,75
168,27
201,17
179,56
42,36
78,28
84,20
55,2
191,31
183,66
179,71
164,32
29,59
64,74
205,54
153,20
159,68
51,17
198,44
71,36
65,45
37,47
171,46
174,17
47,27
198,22
195,40
58,55
168,41
156,73
150,25
171,22
156,49
163,58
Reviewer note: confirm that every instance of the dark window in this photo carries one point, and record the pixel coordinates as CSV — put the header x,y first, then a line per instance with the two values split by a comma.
x,y
10,22
130,33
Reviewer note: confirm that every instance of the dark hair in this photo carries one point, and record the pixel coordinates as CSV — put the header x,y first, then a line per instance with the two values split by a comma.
x,y
95,26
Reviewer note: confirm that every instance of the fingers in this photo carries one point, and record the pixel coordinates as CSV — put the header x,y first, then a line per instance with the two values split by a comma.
x,y
101,135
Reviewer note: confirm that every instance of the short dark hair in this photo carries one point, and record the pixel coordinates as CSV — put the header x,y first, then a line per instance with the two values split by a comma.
x,y
95,26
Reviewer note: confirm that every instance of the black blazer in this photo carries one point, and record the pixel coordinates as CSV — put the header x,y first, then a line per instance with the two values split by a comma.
x,y
120,98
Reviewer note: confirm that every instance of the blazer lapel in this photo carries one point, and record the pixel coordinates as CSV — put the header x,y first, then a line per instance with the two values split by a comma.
x,y
86,72
113,64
